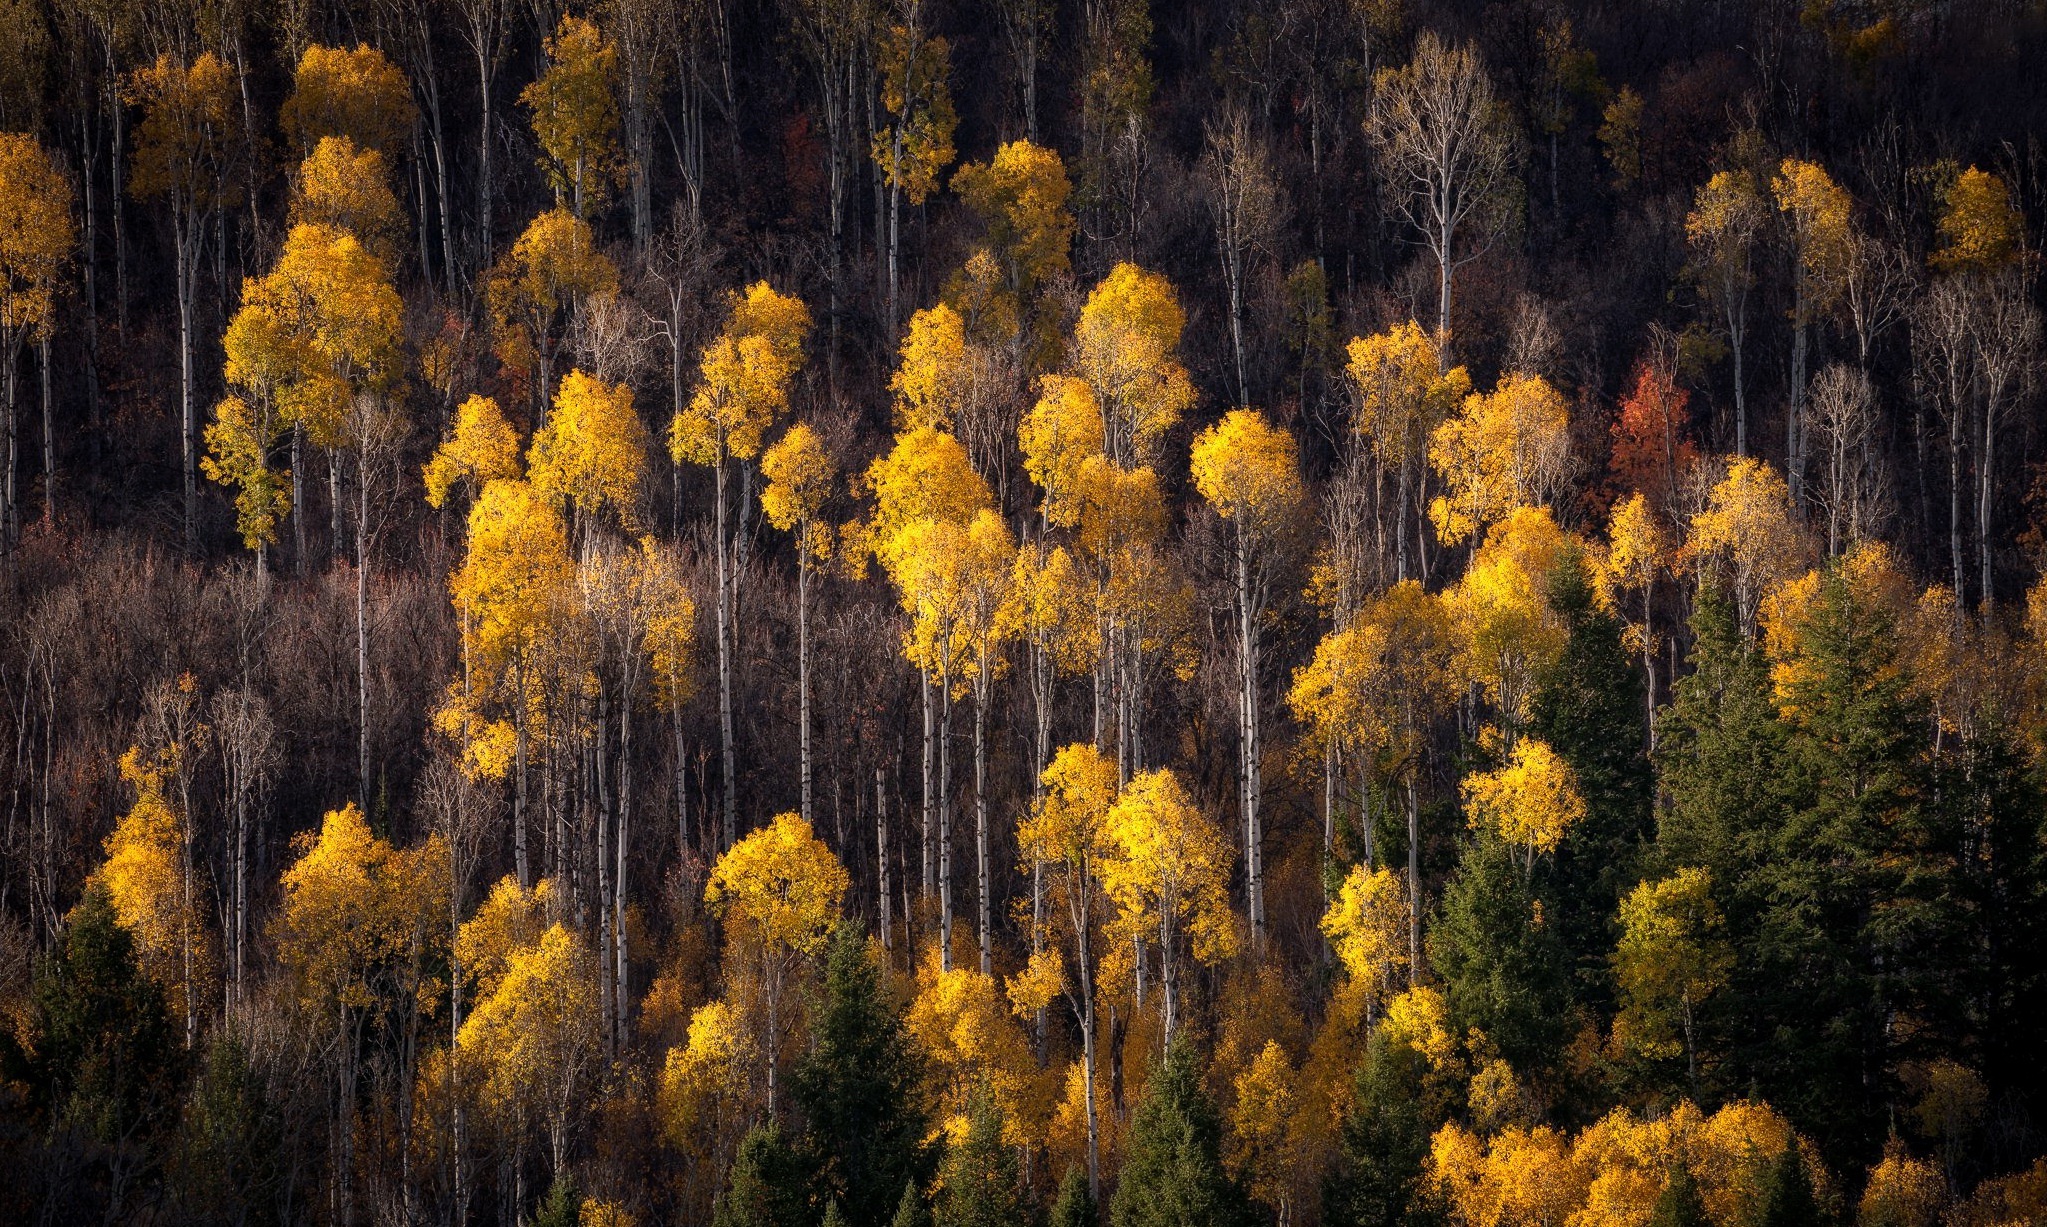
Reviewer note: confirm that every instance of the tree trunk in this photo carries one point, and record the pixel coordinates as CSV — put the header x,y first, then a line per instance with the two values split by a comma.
x,y
362,628
803,659
729,762
981,687
945,806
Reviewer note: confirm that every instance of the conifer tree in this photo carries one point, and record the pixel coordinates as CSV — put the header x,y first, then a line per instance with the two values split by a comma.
x,y
978,1181
1680,1204
1173,1173
765,1188
1382,1141
1074,1207
1497,952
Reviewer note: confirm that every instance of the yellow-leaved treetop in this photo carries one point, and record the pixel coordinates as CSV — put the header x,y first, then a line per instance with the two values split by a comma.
x,y
36,238
1746,530
1067,834
509,594
575,113
1638,550
1504,449
800,477
914,145
1816,214
1531,801
535,290
1980,229
1262,1149
1168,872
1020,195
1672,955
347,187
1126,346
1249,471
590,453
532,1040
1060,434
357,93
972,1045
150,881
1367,928
745,377
1507,631
1403,395
933,378
481,447
778,892
1902,1191
1724,226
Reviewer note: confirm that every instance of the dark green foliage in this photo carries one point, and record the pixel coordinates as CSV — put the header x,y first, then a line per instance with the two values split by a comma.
x,y
1788,1199
857,1088
1680,1205
1589,707
1074,1207
766,1185
910,1211
1382,1142
563,1205
1498,956
833,1216
230,1160
978,1181
1173,1174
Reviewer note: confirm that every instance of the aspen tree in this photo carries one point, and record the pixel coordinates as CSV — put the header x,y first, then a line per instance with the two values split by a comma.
x,y
536,290
1248,470
1638,551
1125,346
1821,233
1671,957
745,378
36,238
575,114
1723,227
481,447
800,476
915,145
345,186
1403,394
1505,449
1167,870
356,93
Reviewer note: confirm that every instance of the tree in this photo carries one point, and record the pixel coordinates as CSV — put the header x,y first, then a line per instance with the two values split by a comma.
x,y
1503,450
765,1188
1248,471
1671,957
181,151
1244,207
1746,530
1444,144
778,893
1125,348
151,881
481,447
800,475
1075,1206
36,238
1980,232
645,35
1382,1139
745,375
537,290
1167,871
1902,1191
354,93
1367,927
1067,834
1844,426
1637,553
344,186
1262,1151
858,1088
1680,1204
1652,449
1531,801
913,148
575,114
1403,394
1020,196
531,1037
977,1183
1173,1173
1502,967
1724,225
1816,214
589,454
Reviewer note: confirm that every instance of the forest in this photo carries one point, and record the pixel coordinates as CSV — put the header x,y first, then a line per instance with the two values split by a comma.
x,y
989,613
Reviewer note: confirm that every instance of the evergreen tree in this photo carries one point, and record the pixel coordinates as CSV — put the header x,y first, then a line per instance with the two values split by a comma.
x,y
230,1158
1588,707
1074,1208
1788,1199
1382,1142
858,1090
833,1216
1498,956
978,1182
766,1185
1173,1174
562,1206
910,1211
1680,1204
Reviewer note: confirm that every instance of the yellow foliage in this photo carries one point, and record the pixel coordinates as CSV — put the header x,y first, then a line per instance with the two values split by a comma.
x,y
930,383
1367,926
1822,234
188,110
1126,347
1039,983
1746,527
1055,608
972,1042
510,589
2018,1200
358,94
745,375
510,918
592,449
1507,631
344,186
1518,1178
1262,1121
481,447
575,112
553,267
1532,801
779,889
926,476
239,441
1167,869
1875,581
529,1039
917,144
1419,1019
36,235
1059,435
799,475
1375,685
1403,392
146,881
1902,1191
1637,549
1671,956
1503,450
1979,229
353,904
1249,471
1020,195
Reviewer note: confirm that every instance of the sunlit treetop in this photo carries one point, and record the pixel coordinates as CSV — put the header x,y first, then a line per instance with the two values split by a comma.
x,y
356,93
1367,925
346,186
481,447
1058,436
510,918
1819,214
1980,229
745,378
575,112
1020,195
1249,471
1068,821
927,475
1504,449
1746,529
779,887
36,233
1638,549
592,450
1531,800
1166,856
554,265
1507,632
1126,346
188,113
800,476
1402,390
930,382
918,102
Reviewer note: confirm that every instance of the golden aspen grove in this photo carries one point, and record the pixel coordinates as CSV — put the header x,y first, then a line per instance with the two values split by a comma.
x,y
1023,613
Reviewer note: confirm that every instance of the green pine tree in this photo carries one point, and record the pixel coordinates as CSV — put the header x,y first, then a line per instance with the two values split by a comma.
x,y
910,1211
833,1216
977,1183
231,1156
1382,1142
1680,1204
1588,707
1173,1173
563,1205
1497,953
765,1187
1788,1199
858,1090
1074,1207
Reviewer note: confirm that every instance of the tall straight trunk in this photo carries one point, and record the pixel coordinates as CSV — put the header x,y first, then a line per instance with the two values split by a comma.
x,y
1794,426
1986,473
188,408
1414,883
981,687
929,880
298,499
1247,710
484,72
1954,498
881,862
520,739
945,806
803,661
728,758
11,528
50,435
607,987
1649,664
1737,330
625,826
362,628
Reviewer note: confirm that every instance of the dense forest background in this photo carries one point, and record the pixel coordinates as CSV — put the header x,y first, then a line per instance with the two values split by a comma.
x,y
881,611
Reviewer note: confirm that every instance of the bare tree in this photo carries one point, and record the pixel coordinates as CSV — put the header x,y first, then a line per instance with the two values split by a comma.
x,y
1446,148
2007,344
1243,202
1943,376
1841,416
